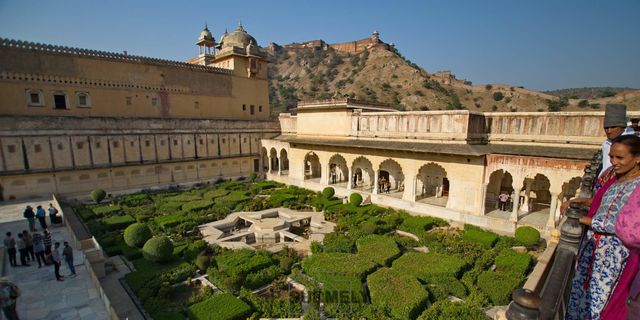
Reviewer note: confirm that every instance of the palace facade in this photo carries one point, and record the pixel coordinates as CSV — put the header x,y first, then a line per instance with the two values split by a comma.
x,y
449,164
72,119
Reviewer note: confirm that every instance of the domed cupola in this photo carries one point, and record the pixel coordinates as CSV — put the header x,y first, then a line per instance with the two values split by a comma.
x,y
237,38
206,41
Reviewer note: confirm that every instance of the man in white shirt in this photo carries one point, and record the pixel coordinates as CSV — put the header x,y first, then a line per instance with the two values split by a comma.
x,y
615,125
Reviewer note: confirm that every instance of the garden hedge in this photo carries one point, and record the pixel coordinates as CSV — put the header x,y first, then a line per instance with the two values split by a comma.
x,y
137,234
499,285
485,238
215,193
402,293
442,286
446,310
106,210
379,249
222,306
242,261
418,225
98,195
118,222
262,277
527,236
328,192
134,200
197,205
324,265
426,265
512,261
158,249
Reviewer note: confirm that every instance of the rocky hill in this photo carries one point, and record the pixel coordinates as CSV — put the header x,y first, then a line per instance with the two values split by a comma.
x,y
381,73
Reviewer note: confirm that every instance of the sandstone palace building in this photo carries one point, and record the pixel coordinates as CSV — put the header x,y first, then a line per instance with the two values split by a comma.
x,y
75,119
72,120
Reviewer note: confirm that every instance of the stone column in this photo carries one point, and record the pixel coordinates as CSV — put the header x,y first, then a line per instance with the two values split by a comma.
x,y
350,179
551,222
269,166
324,175
527,193
375,182
279,166
515,198
483,199
409,193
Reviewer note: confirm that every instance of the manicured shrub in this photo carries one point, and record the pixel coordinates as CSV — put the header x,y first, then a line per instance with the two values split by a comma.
x,y
242,261
137,234
169,207
512,261
118,222
222,306
426,265
403,294
259,278
377,248
527,236
324,265
253,176
134,200
328,192
158,249
499,286
98,195
194,249
168,316
130,253
197,205
85,213
202,262
355,199
485,238
446,310
169,221
106,210
441,287
185,197
335,242
216,193
418,224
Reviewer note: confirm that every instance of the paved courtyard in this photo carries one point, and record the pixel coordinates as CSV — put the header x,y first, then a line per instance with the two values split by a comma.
x,y
42,296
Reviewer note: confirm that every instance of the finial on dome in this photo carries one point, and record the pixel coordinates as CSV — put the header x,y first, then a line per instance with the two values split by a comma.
x,y
240,27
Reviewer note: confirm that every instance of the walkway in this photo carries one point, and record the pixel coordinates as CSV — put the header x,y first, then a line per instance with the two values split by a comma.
x,y
42,296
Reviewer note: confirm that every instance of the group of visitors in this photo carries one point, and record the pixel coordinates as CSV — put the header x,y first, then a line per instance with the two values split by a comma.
x,y
384,185
40,214
503,198
38,248
606,284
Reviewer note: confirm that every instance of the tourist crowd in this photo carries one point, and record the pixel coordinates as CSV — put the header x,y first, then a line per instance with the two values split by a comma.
x,y
31,246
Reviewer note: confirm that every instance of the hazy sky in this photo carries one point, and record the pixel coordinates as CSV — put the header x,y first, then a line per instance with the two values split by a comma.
x,y
537,44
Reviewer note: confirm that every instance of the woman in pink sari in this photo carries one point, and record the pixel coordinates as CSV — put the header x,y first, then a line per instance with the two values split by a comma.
x,y
604,266
628,230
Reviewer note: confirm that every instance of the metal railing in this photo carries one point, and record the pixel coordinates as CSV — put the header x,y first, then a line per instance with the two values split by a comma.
x,y
551,301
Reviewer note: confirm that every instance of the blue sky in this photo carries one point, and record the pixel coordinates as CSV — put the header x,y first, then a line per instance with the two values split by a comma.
x,y
537,44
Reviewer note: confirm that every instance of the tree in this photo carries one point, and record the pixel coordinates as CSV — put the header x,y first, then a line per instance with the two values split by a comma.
x,y
136,235
488,87
497,96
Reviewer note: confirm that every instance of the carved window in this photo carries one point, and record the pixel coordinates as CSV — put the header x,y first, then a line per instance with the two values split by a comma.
x,y
11,148
60,101
196,104
147,143
35,98
244,107
128,101
162,143
37,148
154,102
60,146
83,100
97,145
131,143
175,142
259,108
115,144
252,109
79,145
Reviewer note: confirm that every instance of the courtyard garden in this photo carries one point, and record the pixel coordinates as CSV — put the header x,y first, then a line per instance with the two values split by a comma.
x,y
378,263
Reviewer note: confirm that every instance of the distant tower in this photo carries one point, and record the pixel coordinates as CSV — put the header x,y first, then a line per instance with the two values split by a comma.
x,y
206,43
375,38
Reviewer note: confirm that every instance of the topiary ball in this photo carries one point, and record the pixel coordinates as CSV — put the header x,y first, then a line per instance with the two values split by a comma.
x,y
527,236
136,235
158,249
328,192
355,199
98,195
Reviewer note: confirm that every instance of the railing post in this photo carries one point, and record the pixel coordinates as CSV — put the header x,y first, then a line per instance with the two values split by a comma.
x,y
525,305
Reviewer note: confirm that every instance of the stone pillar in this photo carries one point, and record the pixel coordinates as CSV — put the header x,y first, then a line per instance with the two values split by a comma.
x,y
324,175
279,166
527,194
483,199
409,193
375,182
551,222
269,166
350,179
515,198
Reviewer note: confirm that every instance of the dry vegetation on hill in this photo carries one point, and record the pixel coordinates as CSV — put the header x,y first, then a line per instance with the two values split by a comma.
x,y
385,76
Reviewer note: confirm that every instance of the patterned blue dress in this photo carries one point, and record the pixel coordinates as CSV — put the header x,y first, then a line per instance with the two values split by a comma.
x,y
601,258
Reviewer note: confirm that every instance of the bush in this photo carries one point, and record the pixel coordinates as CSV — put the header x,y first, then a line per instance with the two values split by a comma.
x,y
527,236
253,176
202,262
403,294
355,199
328,192
169,207
137,234
118,222
169,221
498,286
335,242
513,262
222,306
197,205
441,287
418,225
98,195
379,249
414,263
327,265
134,200
216,193
158,249
497,96
85,213
485,238
445,310
106,210
259,278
